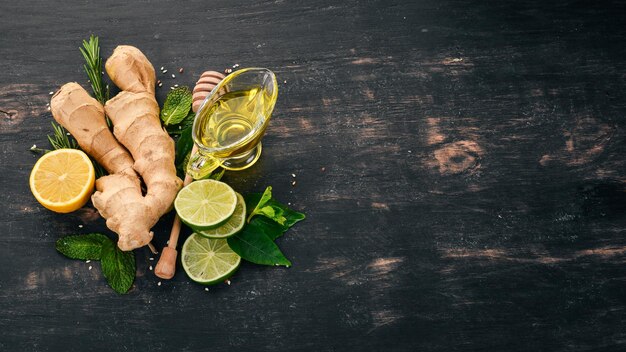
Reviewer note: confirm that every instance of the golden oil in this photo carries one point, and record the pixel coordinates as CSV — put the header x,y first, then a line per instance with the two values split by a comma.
x,y
233,123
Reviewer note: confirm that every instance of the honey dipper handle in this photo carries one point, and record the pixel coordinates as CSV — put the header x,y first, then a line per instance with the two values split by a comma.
x,y
166,267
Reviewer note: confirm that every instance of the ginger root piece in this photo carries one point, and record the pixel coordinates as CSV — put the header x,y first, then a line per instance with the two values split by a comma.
x,y
83,116
130,70
136,124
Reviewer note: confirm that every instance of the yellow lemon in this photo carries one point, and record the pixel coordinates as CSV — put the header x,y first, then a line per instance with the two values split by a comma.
x,y
63,180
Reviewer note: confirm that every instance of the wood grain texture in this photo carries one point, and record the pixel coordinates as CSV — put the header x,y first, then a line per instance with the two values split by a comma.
x,y
461,164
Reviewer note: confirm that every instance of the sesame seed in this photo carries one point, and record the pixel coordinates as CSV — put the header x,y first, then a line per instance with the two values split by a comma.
x,y
80,226
87,261
67,133
51,93
151,267
159,283
206,289
162,68
180,70
160,84
176,86
323,169
228,282
34,146
293,175
293,183
235,65
164,71
289,203
48,108
228,70
285,81
90,267
151,258
172,88
173,75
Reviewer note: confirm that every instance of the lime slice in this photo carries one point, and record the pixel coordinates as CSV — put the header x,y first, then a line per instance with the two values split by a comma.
x,y
207,260
205,204
233,225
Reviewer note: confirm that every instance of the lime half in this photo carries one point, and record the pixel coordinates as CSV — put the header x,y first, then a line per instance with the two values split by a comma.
x,y
205,204
207,260
233,225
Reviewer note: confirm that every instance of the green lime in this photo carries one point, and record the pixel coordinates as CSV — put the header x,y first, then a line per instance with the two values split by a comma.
x,y
233,225
205,204
208,260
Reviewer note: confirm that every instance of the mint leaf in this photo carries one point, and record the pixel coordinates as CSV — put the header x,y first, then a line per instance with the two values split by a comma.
x,y
118,267
84,247
253,245
176,106
181,126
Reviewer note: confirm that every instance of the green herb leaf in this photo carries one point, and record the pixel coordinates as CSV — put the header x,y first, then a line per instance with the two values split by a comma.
x,y
265,197
93,68
60,139
254,245
184,144
271,228
84,247
179,128
118,267
176,106
291,216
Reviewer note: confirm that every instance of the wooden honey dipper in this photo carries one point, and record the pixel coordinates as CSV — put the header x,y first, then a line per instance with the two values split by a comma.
x,y
208,80
166,267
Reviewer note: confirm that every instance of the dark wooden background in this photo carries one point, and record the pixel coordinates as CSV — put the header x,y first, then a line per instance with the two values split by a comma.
x,y
461,164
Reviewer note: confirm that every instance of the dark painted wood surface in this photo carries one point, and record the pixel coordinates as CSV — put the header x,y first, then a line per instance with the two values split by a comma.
x,y
461,164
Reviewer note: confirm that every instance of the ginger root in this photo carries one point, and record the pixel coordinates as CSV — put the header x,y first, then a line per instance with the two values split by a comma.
x,y
83,117
134,113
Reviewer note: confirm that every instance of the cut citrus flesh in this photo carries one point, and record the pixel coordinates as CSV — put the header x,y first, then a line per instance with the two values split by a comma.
x,y
233,225
205,204
208,260
63,180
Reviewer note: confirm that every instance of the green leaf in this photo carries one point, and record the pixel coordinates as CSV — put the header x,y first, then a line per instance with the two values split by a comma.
x,y
84,247
265,197
291,216
272,229
184,144
178,128
254,245
176,106
118,267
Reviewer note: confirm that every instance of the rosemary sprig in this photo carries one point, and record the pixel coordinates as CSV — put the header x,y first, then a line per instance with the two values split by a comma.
x,y
93,68
61,139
